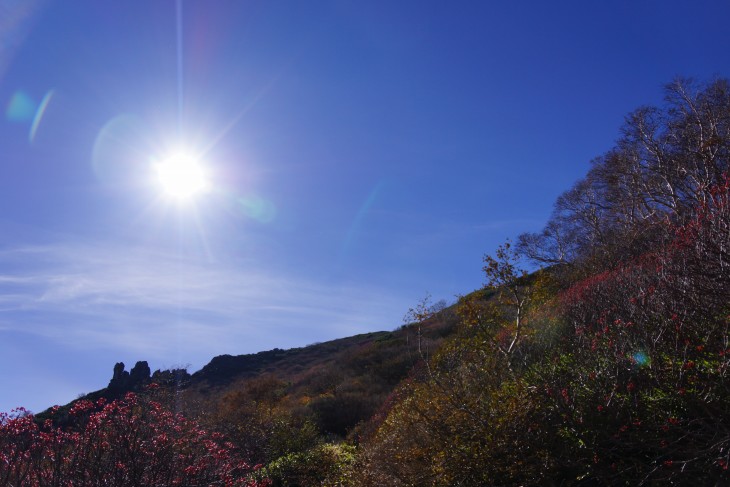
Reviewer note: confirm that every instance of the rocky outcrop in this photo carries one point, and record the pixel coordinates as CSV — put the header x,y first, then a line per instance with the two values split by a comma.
x,y
140,373
123,381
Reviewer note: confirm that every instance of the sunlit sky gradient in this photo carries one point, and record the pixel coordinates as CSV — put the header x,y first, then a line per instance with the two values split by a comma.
x,y
361,154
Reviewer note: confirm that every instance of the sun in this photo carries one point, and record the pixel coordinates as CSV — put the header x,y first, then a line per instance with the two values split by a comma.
x,y
182,176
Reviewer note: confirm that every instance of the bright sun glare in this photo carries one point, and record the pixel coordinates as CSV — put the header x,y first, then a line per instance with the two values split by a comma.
x,y
182,176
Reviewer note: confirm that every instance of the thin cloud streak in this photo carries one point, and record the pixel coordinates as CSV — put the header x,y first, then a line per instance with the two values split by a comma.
x,y
112,297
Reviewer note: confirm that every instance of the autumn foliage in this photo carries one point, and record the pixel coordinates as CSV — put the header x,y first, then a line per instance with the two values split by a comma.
x,y
607,366
610,366
644,391
133,441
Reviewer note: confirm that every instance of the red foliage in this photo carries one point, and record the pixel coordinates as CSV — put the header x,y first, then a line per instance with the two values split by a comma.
x,y
657,325
129,442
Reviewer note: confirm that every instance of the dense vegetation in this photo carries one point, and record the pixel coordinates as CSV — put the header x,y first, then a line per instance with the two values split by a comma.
x,y
607,366
297,412
134,441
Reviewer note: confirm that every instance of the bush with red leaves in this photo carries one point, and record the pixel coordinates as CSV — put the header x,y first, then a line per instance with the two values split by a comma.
x,y
133,441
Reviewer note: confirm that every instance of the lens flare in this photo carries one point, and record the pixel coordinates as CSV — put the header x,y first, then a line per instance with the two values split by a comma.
x,y
21,107
119,157
258,208
641,359
39,115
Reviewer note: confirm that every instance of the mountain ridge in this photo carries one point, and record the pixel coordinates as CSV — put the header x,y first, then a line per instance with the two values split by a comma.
x,y
373,362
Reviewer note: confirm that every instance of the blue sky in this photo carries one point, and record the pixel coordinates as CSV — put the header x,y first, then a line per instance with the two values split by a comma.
x,y
361,155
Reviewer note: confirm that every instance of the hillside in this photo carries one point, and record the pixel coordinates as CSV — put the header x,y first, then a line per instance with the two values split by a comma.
x,y
612,369
359,371
607,366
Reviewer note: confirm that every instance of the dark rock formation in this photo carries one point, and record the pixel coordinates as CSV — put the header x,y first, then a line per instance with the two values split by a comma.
x,y
123,381
140,373
119,379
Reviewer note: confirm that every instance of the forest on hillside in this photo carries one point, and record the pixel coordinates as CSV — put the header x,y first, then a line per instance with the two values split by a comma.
x,y
605,366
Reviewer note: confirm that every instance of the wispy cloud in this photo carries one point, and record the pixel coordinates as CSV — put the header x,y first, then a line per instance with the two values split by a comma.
x,y
109,296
